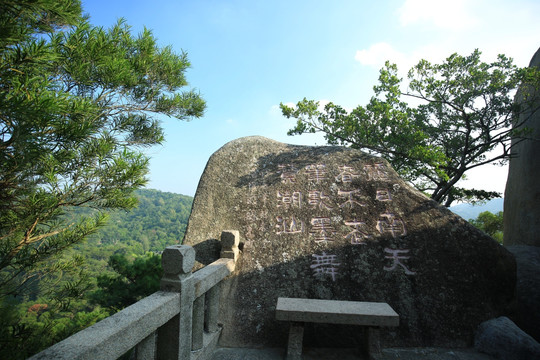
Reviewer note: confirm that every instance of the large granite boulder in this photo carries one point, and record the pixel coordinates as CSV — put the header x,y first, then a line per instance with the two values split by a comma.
x,y
336,223
522,193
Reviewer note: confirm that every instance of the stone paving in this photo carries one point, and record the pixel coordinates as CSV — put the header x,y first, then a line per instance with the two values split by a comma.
x,y
351,354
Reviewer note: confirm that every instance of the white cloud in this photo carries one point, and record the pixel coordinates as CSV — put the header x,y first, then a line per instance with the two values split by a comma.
x,y
322,104
450,15
492,26
377,54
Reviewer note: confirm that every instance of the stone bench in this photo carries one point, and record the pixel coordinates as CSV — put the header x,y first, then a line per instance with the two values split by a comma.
x,y
299,311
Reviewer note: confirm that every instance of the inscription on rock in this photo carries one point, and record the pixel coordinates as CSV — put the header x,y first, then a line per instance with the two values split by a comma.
x,y
323,204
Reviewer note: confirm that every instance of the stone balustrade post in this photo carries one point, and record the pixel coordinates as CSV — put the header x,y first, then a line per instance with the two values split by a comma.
x,y
146,349
212,309
175,337
230,239
198,324
205,318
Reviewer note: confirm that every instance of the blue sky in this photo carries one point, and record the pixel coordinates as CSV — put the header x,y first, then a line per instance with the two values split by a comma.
x,y
247,56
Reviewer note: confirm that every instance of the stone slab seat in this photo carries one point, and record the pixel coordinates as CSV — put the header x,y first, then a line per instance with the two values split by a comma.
x,y
369,314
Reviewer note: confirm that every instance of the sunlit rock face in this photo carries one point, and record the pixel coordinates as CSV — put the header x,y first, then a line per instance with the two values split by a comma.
x,y
336,223
522,193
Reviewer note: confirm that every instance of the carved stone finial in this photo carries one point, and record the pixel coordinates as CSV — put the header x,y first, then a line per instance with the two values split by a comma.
x,y
178,260
229,244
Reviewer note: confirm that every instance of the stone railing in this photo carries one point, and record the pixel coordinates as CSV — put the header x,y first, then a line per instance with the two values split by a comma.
x,y
173,323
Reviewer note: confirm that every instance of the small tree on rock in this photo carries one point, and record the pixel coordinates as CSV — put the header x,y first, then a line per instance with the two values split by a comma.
x,y
466,117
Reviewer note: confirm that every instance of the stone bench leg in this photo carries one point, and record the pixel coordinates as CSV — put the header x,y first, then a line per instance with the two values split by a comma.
x,y
373,343
296,336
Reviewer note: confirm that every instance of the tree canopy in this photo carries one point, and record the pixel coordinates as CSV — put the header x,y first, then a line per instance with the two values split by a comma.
x,y
460,115
78,104
132,281
491,224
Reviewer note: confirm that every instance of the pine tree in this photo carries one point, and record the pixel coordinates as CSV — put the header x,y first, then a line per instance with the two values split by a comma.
x,y
78,103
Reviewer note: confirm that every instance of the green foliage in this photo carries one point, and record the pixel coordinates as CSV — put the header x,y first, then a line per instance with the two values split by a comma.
x,y
30,327
77,104
491,224
130,242
21,20
463,121
133,281
158,221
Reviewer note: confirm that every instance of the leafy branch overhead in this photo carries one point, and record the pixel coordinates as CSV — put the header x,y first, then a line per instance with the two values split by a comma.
x,y
77,105
465,117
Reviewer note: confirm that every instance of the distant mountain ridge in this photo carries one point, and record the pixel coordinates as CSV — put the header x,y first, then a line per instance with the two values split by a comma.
x,y
468,211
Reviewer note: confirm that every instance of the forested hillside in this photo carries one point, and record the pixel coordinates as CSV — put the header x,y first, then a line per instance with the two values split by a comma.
x,y
115,267
158,221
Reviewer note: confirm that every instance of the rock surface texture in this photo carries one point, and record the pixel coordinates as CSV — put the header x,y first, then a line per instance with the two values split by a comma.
x,y
335,223
522,193
527,288
503,339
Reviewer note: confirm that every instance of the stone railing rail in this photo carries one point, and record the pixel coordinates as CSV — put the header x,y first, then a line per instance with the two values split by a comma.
x,y
172,323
